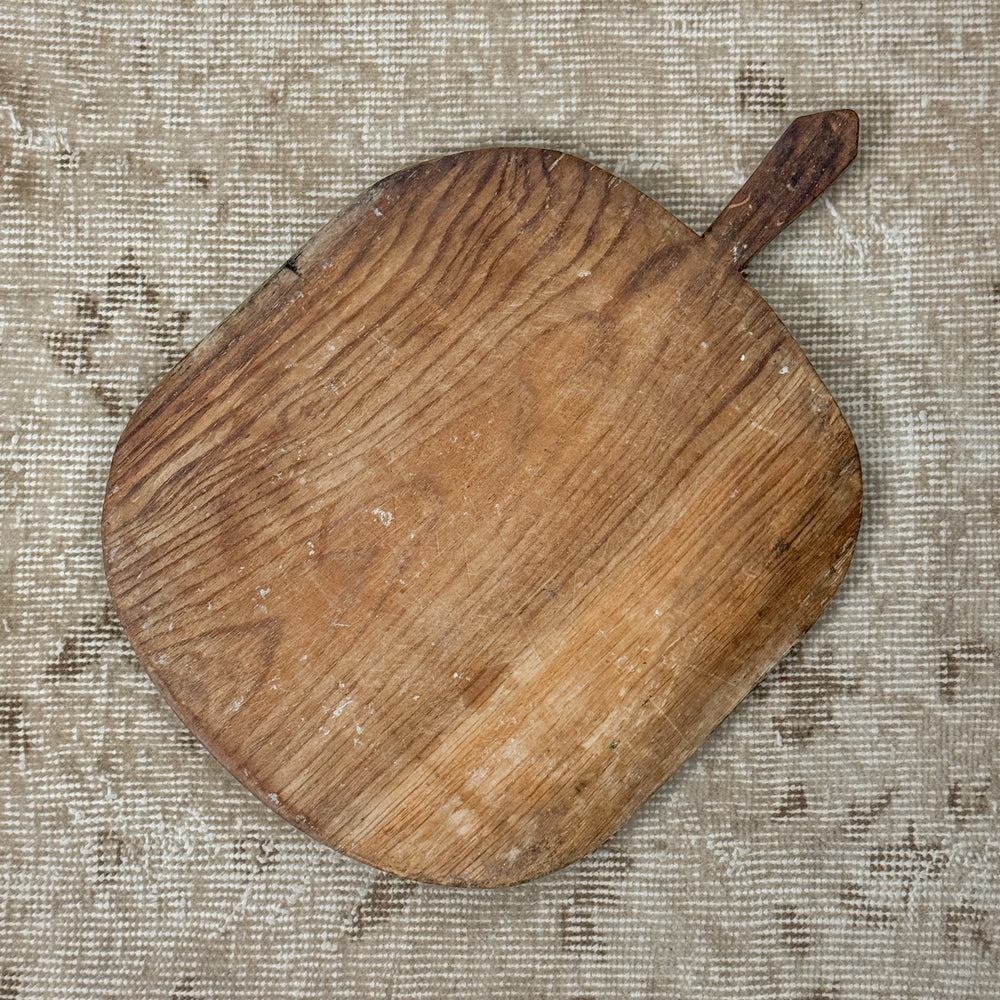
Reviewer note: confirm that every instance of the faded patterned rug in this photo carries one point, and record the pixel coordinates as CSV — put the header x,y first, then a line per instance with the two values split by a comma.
x,y
838,836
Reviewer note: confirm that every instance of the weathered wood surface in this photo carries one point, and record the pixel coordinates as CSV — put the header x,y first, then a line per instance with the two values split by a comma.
x,y
459,536
802,164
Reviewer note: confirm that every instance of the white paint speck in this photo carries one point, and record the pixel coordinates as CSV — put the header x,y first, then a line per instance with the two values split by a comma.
x,y
743,357
274,799
783,370
340,708
704,346
384,516
264,591
583,274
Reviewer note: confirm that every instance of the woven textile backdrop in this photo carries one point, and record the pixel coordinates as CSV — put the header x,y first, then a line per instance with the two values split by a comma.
x,y
838,836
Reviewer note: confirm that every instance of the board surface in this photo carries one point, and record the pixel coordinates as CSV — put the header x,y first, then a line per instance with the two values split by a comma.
x,y
459,536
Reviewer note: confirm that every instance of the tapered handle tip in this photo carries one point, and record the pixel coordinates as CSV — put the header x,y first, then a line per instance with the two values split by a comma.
x,y
802,164
844,123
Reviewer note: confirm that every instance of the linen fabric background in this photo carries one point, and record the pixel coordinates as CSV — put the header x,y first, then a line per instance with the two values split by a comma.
x,y
838,836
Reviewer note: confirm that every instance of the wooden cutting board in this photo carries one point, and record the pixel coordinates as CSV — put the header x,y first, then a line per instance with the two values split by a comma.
x,y
469,526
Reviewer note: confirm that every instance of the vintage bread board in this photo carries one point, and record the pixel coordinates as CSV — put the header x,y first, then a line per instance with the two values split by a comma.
x,y
469,526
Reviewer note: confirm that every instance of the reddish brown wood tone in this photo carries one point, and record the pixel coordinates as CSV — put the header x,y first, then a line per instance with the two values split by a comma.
x,y
801,165
463,532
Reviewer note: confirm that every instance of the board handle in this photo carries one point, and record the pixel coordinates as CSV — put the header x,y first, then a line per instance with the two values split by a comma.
x,y
802,164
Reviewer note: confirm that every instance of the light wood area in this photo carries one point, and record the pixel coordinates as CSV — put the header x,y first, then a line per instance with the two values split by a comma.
x,y
463,532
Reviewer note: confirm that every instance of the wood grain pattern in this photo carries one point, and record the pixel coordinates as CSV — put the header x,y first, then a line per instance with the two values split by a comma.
x,y
802,164
459,536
